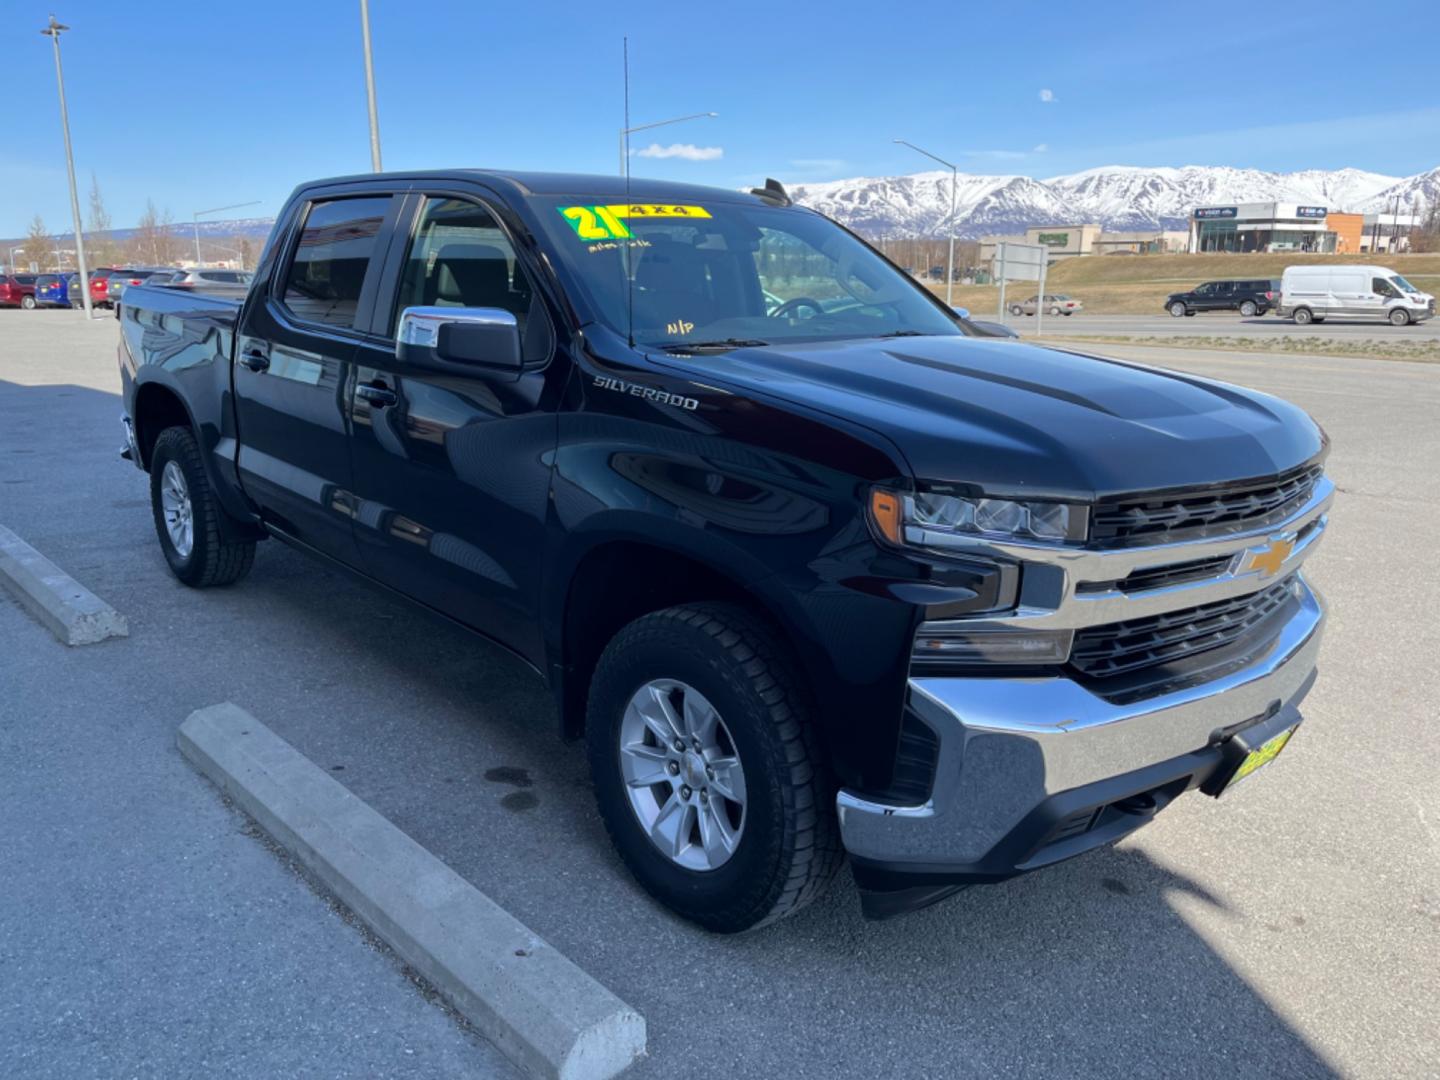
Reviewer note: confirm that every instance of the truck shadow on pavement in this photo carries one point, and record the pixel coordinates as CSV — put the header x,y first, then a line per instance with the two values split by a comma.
x,y
1090,968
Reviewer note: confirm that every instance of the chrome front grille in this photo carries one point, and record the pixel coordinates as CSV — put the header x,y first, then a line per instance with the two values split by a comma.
x,y
1208,512
1135,644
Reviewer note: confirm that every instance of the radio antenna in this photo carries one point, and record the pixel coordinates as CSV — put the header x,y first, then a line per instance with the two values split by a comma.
x,y
626,248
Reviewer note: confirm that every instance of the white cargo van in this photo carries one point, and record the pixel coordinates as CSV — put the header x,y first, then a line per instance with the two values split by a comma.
x,y
1315,293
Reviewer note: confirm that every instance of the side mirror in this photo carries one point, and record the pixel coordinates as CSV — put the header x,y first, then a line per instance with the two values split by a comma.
x,y
460,341
963,312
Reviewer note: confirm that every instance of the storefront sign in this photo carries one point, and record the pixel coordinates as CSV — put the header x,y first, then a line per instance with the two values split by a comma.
x,y
1215,212
1310,211
1054,239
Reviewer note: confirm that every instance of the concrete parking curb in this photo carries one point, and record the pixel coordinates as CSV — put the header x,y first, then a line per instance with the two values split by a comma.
x,y
543,1012
68,610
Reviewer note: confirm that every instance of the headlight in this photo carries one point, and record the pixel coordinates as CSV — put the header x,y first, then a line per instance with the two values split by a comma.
x,y
934,519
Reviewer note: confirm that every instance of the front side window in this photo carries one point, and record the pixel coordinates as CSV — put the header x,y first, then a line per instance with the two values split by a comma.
x,y
328,269
678,275
1384,288
460,257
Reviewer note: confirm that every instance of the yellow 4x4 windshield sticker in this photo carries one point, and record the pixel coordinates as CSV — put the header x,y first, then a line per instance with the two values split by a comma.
x,y
608,222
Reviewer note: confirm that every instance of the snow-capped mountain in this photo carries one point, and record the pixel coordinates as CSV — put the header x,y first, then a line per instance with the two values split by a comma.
x,y
1118,197
1424,187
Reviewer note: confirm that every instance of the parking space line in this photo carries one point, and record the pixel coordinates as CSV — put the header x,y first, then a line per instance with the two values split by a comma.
x,y
543,1012
66,608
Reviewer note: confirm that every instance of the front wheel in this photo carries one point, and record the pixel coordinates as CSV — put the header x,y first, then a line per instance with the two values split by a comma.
x,y
1054,311
1177,309
707,768
1248,309
1399,317
1016,309
188,515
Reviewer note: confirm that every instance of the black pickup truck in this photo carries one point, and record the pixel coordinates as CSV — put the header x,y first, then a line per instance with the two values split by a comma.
x,y
812,567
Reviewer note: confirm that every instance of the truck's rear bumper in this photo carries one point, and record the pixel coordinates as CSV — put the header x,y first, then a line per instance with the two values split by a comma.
x,y
1031,771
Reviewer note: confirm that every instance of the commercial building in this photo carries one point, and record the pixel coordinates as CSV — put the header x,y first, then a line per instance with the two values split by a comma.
x,y
1071,241
1387,232
1269,226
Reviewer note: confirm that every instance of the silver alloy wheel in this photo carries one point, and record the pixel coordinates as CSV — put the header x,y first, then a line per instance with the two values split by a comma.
x,y
683,775
1177,309
176,509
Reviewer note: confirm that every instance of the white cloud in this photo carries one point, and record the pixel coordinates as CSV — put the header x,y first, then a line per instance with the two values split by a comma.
x,y
1047,96
1040,148
685,151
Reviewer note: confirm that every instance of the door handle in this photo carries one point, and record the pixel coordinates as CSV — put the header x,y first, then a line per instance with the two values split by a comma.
x,y
378,396
257,362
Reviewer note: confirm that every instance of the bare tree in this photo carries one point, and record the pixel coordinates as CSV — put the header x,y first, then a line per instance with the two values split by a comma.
x,y
154,241
99,244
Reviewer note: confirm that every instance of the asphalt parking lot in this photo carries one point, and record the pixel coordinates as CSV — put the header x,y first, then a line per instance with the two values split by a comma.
x,y
1291,930
1222,324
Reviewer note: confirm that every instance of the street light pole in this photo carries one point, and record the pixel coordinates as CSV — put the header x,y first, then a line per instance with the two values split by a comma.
x,y
954,187
198,214
370,87
625,133
53,32
13,264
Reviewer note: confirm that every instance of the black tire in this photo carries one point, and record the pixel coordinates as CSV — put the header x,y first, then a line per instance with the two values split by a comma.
x,y
212,559
1302,316
1248,309
789,848
1177,309
1016,309
1399,317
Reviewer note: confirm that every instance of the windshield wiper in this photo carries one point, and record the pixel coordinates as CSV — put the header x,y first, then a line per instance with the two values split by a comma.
x,y
906,333
720,343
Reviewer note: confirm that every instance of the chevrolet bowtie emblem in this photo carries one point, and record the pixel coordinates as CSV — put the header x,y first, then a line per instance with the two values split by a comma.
x,y
1270,559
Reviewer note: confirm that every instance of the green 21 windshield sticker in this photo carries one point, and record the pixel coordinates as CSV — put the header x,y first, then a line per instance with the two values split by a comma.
x,y
608,222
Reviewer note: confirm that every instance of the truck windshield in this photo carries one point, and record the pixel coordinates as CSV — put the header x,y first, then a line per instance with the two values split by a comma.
x,y
728,274
1403,284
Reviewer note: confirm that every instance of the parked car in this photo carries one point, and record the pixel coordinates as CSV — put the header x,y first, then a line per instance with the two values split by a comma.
x,y
53,290
214,282
100,286
163,277
1056,304
1315,293
18,290
805,584
120,280
1249,298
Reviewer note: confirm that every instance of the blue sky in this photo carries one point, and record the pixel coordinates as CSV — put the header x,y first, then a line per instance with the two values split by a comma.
x,y
262,94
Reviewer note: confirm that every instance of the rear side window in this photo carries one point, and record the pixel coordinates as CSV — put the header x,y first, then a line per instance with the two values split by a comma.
x,y
336,245
25,279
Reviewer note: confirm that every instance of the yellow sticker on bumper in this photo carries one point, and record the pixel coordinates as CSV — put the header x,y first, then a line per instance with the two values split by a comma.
x,y
608,222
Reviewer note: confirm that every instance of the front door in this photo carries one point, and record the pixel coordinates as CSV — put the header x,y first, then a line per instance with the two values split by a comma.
x,y
452,472
294,367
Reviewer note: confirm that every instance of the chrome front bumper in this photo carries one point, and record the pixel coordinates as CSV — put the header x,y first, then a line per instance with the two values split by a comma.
x,y
1015,754
1008,745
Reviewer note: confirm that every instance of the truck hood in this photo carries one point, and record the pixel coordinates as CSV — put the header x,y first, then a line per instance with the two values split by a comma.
x,y
1020,419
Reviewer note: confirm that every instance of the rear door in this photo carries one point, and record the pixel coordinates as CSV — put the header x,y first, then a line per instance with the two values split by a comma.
x,y
294,365
452,471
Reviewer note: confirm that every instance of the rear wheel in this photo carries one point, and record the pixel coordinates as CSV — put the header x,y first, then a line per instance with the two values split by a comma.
x,y
28,303
1399,317
1248,309
707,769
1016,309
1303,316
188,515
1177,309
